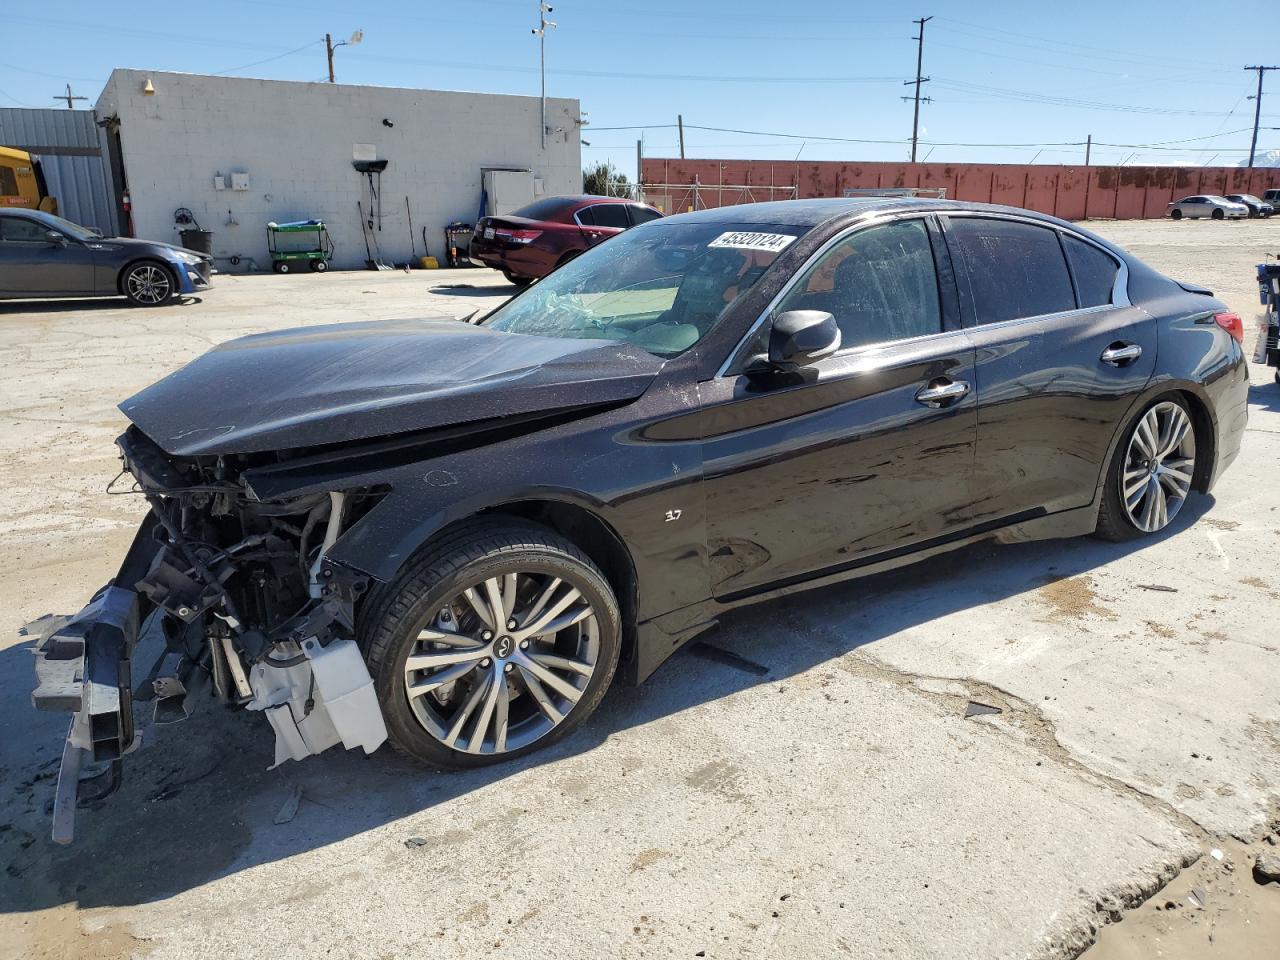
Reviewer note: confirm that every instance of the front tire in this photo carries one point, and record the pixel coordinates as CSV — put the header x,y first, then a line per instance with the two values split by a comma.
x,y
1176,214
1218,215
1151,473
498,641
148,284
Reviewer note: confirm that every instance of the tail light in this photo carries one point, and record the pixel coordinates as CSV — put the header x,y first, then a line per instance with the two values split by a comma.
x,y
1231,323
518,236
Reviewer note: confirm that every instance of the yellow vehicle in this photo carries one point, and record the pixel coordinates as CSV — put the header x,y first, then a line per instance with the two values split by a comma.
x,y
21,182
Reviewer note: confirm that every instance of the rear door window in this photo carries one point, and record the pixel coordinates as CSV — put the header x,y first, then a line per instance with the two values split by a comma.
x,y
610,215
1015,269
1094,269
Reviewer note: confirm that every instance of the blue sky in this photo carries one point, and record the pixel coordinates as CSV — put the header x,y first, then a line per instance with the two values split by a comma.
x,y
1135,75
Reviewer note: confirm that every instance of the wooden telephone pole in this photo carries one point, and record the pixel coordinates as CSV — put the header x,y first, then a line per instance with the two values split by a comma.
x,y
1257,110
69,97
915,120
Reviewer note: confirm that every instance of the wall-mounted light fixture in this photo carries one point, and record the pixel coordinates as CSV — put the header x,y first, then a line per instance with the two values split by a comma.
x,y
148,88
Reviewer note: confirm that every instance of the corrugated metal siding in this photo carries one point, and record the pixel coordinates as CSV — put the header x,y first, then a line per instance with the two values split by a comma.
x,y
1126,193
72,152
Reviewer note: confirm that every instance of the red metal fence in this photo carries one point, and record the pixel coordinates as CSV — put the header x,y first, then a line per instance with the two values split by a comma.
x,y
1073,193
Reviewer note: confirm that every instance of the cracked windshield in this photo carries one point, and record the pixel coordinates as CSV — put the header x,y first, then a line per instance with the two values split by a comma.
x,y
661,287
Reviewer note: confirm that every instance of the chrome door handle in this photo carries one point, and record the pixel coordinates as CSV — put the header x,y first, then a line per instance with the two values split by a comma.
x,y
1118,354
939,393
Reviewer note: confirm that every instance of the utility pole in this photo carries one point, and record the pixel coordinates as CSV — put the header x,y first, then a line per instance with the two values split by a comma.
x,y
640,161
1088,148
680,124
69,97
330,46
1257,110
540,31
915,121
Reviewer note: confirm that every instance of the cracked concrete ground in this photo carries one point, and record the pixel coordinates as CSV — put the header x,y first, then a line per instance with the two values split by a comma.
x,y
838,804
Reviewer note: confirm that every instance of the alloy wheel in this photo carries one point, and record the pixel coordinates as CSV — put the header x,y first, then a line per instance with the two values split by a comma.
x,y
149,284
503,662
1158,468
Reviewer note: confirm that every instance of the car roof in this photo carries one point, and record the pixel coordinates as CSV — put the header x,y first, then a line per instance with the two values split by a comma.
x,y
811,212
591,198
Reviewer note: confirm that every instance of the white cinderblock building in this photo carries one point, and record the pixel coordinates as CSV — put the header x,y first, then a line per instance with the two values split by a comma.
x,y
184,138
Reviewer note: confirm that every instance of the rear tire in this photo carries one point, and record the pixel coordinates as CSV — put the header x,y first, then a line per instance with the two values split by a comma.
x,y
488,691
517,281
319,266
1139,499
280,266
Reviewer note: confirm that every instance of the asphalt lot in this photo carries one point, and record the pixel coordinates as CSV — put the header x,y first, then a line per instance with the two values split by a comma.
x,y
839,804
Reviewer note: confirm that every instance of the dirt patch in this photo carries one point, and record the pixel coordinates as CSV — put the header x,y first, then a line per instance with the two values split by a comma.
x,y
1161,630
1220,524
1259,584
647,858
1072,598
720,778
59,934
1237,917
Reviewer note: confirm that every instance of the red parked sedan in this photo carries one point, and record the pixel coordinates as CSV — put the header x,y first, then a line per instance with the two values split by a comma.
x,y
533,241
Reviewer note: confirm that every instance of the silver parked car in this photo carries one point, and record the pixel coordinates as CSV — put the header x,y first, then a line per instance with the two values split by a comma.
x,y
1206,205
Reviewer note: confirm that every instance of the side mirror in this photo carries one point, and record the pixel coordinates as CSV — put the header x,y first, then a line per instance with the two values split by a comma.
x,y
801,337
56,238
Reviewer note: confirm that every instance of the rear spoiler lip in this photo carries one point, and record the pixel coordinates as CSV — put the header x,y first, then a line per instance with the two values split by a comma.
x,y
1194,288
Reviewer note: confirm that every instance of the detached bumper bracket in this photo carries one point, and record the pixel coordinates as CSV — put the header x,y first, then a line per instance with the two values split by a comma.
x,y
82,667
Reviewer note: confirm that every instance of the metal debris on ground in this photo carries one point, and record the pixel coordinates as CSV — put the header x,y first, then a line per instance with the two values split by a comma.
x,y
415,842
1157,586
289,809
976,709
1198,897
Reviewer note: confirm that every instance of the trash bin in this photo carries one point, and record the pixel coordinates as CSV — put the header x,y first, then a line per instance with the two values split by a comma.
x,y
201,241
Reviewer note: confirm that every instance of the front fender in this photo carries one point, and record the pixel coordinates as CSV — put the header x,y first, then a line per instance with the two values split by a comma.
x,y
394,530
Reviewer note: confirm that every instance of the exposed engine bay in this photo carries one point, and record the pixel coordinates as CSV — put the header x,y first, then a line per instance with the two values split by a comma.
x,y
250,610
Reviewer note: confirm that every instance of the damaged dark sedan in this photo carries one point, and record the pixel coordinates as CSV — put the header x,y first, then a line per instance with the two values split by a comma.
x,y
453,535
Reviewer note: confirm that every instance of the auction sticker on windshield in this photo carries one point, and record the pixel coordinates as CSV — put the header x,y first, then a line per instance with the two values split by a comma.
x,y
773,242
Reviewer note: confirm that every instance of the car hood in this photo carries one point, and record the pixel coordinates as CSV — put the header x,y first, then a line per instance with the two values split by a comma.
x,y
355,381
142,246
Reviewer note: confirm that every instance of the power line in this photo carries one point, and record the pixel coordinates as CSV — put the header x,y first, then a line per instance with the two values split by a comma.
x,y
258,63
1108,53
1031,97
9,96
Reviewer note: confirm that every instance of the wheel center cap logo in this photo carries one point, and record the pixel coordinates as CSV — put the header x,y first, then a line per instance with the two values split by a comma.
x,y
502,648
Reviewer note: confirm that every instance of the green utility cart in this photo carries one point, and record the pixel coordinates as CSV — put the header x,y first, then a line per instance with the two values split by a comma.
x,y
303,241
